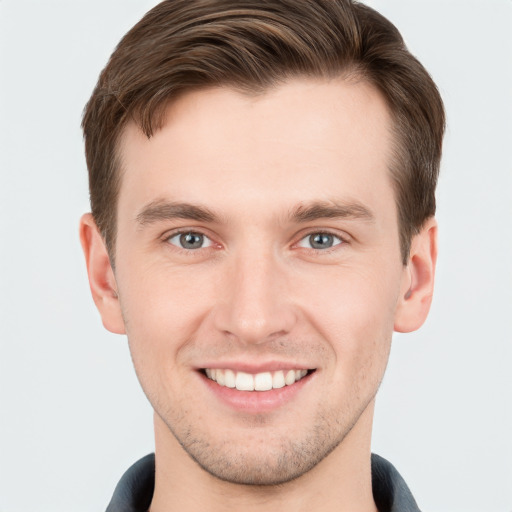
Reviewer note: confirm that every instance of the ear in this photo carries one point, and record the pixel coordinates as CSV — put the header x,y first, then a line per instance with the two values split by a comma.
x,y
101,276
418,280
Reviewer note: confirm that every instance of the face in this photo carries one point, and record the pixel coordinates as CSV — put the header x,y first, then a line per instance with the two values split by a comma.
x,y
258,247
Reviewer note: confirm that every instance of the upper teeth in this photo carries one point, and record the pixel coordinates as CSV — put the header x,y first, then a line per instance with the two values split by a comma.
x,y
258,382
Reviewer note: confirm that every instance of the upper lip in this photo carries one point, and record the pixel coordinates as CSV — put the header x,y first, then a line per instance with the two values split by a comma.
x,y
254,367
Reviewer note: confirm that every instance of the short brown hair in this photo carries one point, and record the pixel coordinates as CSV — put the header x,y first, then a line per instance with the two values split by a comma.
x,y
253,45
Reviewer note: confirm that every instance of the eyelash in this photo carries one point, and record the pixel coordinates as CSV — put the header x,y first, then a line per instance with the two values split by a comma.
x,y
341,240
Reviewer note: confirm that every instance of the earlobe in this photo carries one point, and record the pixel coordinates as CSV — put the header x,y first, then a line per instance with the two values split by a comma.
x,y
418,280
101,276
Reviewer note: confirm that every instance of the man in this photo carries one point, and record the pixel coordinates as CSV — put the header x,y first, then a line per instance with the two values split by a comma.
x,y
262,179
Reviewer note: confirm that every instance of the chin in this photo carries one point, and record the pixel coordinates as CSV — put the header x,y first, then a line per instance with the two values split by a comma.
x,y
268,470
261,460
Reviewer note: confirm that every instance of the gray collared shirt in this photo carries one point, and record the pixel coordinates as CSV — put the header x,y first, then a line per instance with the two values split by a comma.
x,y
135,489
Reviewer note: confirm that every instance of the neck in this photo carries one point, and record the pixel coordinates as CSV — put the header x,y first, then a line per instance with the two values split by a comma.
x,y
341,482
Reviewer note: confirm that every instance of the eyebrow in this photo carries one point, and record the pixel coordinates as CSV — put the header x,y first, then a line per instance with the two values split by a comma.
x,y
162,210
316,210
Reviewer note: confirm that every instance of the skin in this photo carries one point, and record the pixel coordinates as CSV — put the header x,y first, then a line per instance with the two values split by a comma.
x,y
257,293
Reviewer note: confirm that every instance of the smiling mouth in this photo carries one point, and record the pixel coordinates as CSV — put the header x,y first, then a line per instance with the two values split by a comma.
x,y
264,381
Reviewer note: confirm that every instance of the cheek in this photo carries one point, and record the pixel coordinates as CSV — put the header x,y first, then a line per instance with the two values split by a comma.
x,y
162,310
356,299
161,299
162,316
354,312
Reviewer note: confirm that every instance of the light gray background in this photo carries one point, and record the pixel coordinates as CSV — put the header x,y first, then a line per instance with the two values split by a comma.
x,y
72,415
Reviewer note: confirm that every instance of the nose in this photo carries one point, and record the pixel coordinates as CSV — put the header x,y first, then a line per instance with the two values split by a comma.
x,y
255,303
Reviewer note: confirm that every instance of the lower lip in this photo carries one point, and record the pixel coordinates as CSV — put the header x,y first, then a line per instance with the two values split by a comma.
x,y
257,401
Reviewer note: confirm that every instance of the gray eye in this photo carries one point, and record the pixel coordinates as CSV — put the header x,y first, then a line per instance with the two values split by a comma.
x,y
190,240
320,241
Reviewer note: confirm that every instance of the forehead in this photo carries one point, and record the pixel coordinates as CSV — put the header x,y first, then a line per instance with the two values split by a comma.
x,y
302,141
